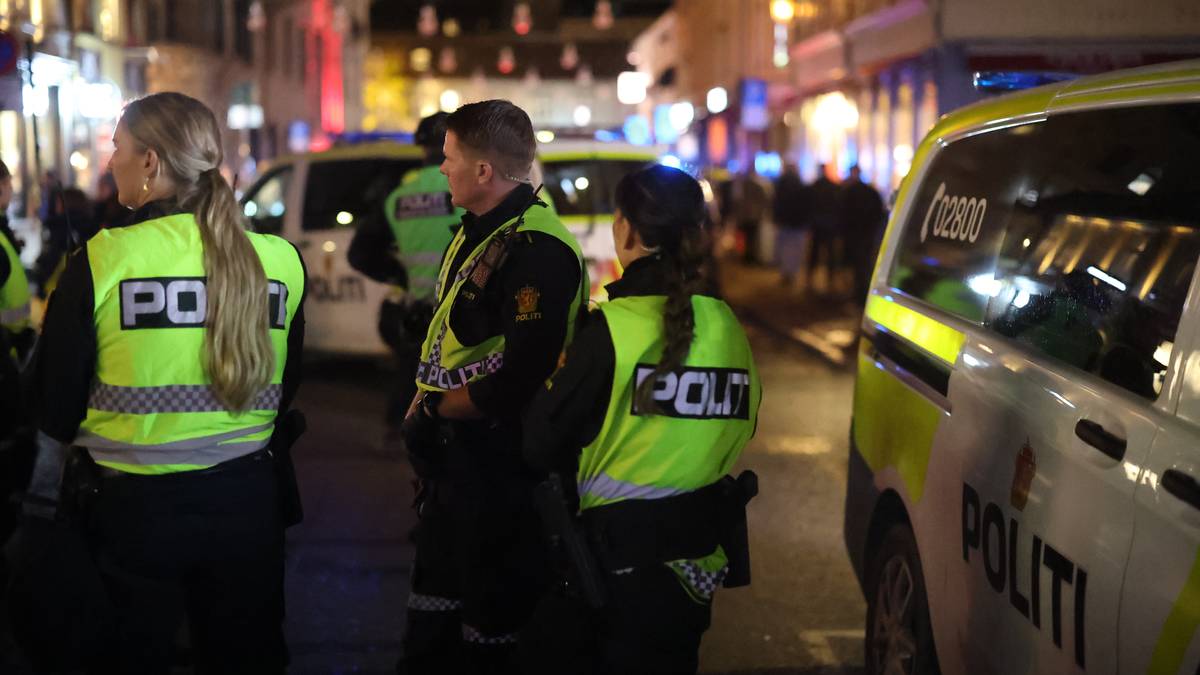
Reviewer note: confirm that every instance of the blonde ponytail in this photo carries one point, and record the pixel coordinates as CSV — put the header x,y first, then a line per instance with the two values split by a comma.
x,y
240,358
238,354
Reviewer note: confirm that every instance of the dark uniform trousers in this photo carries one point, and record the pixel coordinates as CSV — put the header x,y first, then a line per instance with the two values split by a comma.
x,y
650,625
480,563
207,545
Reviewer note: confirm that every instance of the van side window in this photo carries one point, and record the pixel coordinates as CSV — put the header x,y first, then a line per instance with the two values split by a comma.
x,y
265,205
947,253
1100,253
341,192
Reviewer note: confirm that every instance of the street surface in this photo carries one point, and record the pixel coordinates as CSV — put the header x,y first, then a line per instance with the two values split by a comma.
x,y
348,563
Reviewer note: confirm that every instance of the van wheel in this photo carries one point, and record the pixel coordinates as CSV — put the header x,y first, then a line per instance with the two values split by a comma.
x,y
899,639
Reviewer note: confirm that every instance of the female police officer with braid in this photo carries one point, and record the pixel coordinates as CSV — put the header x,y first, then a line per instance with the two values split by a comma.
x,y
652,406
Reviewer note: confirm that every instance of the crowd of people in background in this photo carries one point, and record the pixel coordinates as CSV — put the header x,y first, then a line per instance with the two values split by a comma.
x,y
827,233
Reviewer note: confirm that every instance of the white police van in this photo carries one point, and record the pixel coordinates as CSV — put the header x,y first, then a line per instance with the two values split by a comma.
x,y
1023,490
315,201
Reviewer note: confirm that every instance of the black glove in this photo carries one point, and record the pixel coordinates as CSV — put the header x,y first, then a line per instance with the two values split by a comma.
x,y
421,437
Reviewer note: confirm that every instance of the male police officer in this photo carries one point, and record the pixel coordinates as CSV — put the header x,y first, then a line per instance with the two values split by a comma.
x,y
403,247
510,289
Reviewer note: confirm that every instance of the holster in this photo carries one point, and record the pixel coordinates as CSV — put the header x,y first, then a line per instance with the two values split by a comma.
x,y
639,532
585,576
288,429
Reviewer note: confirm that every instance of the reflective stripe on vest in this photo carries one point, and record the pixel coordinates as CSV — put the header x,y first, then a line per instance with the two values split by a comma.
x,y
14,293
421,217
151,408
704,414
445,362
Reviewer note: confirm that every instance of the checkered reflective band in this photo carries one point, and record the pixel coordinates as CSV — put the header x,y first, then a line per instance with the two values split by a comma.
x,y
473,635
432,603
432,374
697,393
700,581
182,302
172,398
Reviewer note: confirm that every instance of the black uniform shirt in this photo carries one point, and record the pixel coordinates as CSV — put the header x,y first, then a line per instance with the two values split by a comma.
x,y
66,352
538,266
568,414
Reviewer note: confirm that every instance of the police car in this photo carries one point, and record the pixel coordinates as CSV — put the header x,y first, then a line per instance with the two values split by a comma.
x,y
1024,478
580,177
315,201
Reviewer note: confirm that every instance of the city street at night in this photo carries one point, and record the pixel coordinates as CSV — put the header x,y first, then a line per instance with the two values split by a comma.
x,y
349,561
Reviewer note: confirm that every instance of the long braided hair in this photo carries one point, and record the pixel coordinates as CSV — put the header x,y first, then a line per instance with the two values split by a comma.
x,y
665,206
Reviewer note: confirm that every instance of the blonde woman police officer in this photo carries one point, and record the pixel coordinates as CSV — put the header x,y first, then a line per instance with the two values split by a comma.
x,y
652,406
170,347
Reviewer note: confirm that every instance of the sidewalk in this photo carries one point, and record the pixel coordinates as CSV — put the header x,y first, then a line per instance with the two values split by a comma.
x,y
827,324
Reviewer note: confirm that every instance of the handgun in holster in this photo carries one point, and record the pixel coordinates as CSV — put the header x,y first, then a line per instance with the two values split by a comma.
x,y
567,539
288,429
736,493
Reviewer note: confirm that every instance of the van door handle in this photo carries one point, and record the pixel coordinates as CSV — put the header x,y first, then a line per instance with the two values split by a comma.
x,y
1182,486
1096,436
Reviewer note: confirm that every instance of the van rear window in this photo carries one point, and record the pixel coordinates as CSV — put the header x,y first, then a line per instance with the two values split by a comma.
x,y
948,249
1077,237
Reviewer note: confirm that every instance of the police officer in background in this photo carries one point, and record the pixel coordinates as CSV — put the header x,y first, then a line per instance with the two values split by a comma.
x,y
510,288
14,286
651,408
169,349
402,246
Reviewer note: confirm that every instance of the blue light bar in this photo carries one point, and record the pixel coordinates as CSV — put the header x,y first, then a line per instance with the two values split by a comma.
x,y
1017,80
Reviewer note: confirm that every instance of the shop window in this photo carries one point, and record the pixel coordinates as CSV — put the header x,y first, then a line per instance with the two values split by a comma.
x,y
1102,248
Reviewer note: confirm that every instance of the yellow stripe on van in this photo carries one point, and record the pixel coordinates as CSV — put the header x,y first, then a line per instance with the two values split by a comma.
x,y
930,335
893,425
1179,628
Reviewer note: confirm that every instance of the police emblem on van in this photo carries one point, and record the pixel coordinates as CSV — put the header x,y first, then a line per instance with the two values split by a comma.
x,y
958,218
697,393
182,302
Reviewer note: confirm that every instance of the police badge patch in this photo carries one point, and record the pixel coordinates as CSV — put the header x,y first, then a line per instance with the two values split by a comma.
x,y
527,304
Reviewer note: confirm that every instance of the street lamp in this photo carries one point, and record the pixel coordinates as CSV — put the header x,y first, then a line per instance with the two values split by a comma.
x,y
782,11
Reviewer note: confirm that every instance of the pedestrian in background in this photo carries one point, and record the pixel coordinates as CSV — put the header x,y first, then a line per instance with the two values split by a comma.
x,y
169,350
402,246
510,289
750,207
108,211
657,509
70,225
826,248
862,219
790,210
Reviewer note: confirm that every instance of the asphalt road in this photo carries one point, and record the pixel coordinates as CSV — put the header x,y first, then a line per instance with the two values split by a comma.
x,y
349,561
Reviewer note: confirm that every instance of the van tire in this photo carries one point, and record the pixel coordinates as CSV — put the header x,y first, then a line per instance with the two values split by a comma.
x,y
899,638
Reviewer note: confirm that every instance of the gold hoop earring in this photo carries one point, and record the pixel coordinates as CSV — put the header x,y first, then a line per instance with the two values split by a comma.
x,y
146,185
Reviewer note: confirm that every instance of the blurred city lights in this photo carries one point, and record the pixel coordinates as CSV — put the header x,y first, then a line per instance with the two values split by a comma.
x,y
100,101
250,209
717,100
631,87
450,100
522,18
450,28
570,56
447,60
834,112
637,130
344,218
681,115
671,161
581,183
329,246
79,161
545,136
583,76
427,23
603,18
582,115
506,61
782,11
688,147
420,59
